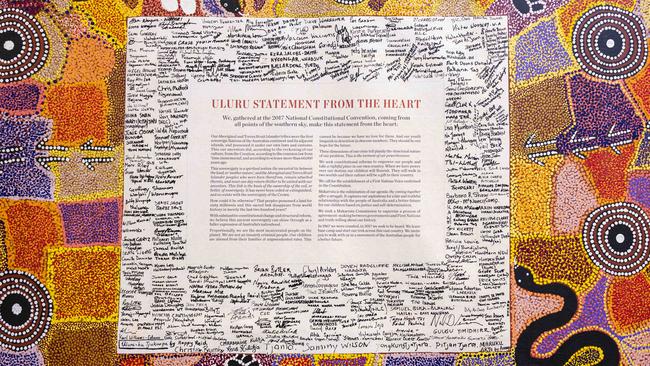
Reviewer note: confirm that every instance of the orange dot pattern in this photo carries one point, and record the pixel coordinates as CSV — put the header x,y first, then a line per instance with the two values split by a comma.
x,y
84,283
80,88
78,111
32,228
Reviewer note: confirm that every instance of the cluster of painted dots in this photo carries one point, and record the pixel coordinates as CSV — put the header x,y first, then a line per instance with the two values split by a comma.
x,y
8,150
24,47
617,238
88,162
349,2
42,146
12,160
610,43
45,161
613,70
88,146
25,310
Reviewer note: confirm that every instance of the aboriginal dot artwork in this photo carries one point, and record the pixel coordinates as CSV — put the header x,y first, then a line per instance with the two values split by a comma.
x,y
24,45
25,310
616,238
610,43
579,84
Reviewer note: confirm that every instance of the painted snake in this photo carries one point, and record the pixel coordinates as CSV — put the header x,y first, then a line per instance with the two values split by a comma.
x,y
593,338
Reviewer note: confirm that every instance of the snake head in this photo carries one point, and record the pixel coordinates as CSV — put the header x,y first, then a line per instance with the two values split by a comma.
x,y
523,276
232,6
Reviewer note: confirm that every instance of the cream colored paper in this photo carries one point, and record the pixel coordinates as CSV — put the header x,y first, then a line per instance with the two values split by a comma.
x,y
315,185
348,176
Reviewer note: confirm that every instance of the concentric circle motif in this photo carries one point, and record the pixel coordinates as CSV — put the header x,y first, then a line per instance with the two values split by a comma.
x,y
25,310
23,45
610,43
617,238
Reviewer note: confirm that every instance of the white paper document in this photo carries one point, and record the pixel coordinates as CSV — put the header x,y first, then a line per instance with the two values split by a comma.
x,y
315,186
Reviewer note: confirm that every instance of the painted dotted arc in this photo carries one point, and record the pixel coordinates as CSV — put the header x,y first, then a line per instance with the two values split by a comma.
x,y
617,238
349,2
23,45
610,43
25,310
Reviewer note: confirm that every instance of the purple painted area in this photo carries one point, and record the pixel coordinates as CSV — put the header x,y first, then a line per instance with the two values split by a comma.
x,y
643,157
20,97
236,360
539,52
357,361
639,190
25,179
212,7
91,222
31,357
591,314
446,360
499,359
214,360
604,116
258,4
518,18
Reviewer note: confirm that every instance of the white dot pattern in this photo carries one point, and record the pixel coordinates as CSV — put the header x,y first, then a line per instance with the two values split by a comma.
x,y
596,231
593,60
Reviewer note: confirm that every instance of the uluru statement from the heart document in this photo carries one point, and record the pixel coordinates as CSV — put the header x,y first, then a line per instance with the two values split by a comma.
x,y
315,186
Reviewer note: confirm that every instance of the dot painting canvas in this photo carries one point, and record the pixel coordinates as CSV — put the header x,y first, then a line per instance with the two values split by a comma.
x,y
577,78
